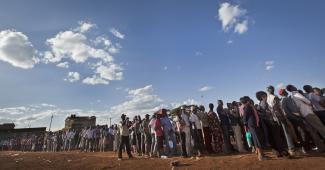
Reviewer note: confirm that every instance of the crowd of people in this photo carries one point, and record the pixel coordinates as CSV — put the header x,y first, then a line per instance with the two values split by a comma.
x,y
289,124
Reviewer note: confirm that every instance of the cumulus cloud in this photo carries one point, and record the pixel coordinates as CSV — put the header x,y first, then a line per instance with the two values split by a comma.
x,y
241,28
232,17
117,33
63,65
72,77
84,26
140,101
205,88
269,65
94,80
17,50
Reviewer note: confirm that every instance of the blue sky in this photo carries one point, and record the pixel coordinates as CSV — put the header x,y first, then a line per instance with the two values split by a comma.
x,y
168,52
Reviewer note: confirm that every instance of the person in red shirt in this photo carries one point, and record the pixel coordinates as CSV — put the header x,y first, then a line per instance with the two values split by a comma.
x,y
159,136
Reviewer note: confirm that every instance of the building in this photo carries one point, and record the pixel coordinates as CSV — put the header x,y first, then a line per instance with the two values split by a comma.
x,y
79,122
7,126
8,130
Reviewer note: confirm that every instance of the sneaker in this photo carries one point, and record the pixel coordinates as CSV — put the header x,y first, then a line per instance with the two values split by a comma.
x,y
276,153
119,159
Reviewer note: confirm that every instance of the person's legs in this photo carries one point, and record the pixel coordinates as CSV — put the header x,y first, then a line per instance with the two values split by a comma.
x,y
226,139
120,148
314,121
153,141
183,143
238,138
188,142
288,137
321,115
315,137
128,148
166,138
207,139
200,141
173,138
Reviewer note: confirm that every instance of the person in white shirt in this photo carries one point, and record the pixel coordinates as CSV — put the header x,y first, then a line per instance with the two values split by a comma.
x,y
305,108
197,131
183,125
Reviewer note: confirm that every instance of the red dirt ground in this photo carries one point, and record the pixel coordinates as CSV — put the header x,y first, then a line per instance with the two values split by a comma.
x,y
107,160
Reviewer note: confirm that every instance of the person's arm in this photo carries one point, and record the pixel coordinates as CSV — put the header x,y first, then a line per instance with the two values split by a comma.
x,y
302,98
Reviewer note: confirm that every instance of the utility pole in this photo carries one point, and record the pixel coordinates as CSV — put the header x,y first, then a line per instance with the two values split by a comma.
x,y
51,122
110,121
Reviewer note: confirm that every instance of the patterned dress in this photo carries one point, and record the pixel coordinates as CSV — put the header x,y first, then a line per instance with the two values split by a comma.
x,y
215,130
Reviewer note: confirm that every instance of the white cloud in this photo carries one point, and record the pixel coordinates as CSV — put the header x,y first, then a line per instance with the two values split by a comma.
x,y
165,68
269,65
94,80
229,42
141,101
16,49
231,16
102,40
205,88
74,45
72,77
84,26
104,74
117,33
63,65
241,28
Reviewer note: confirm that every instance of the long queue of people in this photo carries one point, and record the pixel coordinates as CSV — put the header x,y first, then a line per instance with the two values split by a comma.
x,y
289,125
286,124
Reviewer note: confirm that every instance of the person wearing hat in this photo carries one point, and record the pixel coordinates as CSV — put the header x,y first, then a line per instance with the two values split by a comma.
x,y
169,134
182,123
125,141
203,116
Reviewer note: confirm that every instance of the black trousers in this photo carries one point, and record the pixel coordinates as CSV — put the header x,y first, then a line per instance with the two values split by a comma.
x,y
183,139
125,142
275,136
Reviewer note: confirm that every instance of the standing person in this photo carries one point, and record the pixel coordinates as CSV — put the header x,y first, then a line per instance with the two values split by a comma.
x,y
146,137
272,123
235,123
203,116
124,136
116,142
159,137
225,126
186,129
306,111
216,130
169,134
251,124
152,133
181,126
314,95
293,114
196,131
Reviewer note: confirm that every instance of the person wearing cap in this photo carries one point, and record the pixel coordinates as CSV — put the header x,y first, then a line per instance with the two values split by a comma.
x,y
215,128
125,141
